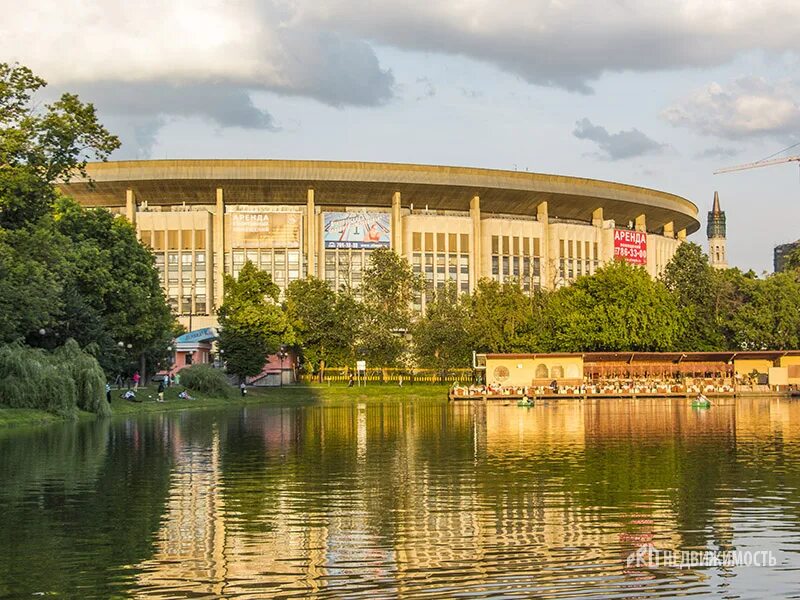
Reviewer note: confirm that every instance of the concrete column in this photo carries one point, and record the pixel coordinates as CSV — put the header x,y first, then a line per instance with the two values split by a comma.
x,y
397,225
597,217
641,223
320,235
669,229
130,206
548,246
476,261
310,234
219,248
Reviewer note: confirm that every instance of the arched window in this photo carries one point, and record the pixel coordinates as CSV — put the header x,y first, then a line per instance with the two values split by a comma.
x,y
557,372
541,371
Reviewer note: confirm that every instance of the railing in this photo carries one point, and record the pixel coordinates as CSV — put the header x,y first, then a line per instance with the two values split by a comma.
x,y
394,376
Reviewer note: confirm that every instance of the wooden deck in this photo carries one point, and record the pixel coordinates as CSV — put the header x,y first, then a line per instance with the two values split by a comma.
x,y
580,396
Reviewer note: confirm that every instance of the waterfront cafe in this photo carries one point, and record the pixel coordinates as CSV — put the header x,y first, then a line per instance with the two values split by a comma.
x,y
643,373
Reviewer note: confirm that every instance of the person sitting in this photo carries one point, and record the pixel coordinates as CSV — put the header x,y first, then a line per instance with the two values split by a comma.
x,y
129,395
184,395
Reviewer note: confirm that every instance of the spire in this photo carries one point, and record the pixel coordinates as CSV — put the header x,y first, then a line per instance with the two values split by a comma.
x,y
716,210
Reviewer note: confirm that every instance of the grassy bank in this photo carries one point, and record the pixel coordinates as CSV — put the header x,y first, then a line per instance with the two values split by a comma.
x,y
294,394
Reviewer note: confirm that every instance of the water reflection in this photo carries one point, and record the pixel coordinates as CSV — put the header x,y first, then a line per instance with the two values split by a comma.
x,y
407,499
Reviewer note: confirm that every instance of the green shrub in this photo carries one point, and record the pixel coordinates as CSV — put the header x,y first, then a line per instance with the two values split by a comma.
x,y
205,379
60,382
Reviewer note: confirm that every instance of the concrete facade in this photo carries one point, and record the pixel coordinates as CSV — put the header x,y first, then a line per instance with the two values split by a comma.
x,y
206,218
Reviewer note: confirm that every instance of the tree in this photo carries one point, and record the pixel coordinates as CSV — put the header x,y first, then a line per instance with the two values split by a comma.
x,y
619,308
769,316
111,287
502,317
41,146
325,322
700,295
252,322
441,337
389,287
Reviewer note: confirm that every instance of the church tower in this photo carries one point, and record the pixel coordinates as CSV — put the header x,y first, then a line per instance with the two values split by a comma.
x,y
715,230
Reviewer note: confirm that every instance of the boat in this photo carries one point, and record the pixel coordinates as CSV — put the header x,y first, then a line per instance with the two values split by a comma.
x,y
525,401
701,402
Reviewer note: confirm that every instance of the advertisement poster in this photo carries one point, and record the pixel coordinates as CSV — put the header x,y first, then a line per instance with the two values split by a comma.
x,y
357,230
258,229
630,246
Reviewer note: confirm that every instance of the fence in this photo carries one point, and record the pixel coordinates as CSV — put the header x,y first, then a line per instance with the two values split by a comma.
x,y
396,376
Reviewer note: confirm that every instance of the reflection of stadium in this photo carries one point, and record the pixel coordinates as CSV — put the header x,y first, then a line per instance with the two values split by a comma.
x,y
518,494
292,218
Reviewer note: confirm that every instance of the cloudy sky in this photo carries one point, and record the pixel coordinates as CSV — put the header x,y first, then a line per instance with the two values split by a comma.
x,y
657,93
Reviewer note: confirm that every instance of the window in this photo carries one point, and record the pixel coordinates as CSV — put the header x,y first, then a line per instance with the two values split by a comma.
x,y
146,237
416,241
200,304
172,239
200,239
186,239
158,240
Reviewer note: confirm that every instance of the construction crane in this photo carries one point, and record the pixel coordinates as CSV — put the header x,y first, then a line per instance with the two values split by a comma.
x,y
764,162
759,163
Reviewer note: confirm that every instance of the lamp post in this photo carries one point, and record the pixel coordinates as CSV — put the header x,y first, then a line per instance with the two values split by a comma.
x,y
282,354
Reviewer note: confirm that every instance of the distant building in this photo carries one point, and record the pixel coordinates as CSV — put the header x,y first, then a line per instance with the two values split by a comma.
x,y
781,255
715,230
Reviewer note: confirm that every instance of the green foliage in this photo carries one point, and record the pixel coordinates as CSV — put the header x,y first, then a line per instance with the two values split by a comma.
x,y
441,337
40,146
388,289
111,288
205,379
326,323
60,382
252,323
619,308
66,271
505,319
769,317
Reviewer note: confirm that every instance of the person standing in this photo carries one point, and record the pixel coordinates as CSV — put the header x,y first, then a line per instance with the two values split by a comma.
x,y
108,392
136,378
243,388
160,391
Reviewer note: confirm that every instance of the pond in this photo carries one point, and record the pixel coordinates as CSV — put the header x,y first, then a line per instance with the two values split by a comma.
x,y
568,499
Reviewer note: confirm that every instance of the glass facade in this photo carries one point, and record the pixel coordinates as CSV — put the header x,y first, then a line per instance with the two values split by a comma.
x,y
518,258
440,257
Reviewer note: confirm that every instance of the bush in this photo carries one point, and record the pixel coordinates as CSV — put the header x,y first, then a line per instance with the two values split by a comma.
x,y
205,379
59,382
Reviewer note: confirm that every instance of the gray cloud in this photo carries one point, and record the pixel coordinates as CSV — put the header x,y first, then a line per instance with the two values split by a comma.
x,y
569,43
748,107
617,146
204,62
223,105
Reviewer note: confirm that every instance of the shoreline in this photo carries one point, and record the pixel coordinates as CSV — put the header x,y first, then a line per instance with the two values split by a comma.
x,y
295,393
302,393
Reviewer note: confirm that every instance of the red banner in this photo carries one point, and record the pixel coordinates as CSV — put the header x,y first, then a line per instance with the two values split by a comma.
x,y
630,246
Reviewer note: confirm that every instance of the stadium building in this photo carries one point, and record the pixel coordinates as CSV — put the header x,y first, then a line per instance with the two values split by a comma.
x,y
294,218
